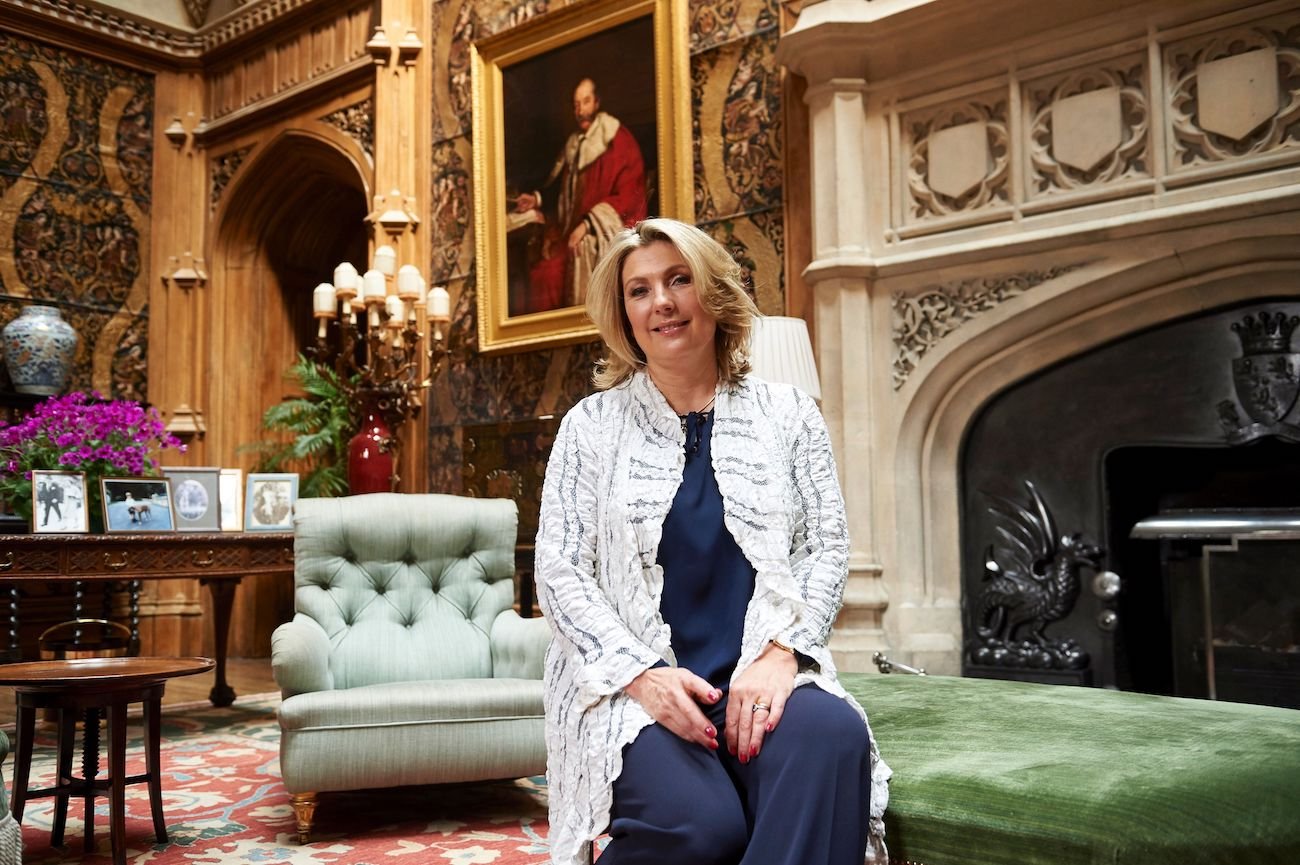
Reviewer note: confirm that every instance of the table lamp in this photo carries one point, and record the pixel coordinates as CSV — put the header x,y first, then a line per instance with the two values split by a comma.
x,y
780,351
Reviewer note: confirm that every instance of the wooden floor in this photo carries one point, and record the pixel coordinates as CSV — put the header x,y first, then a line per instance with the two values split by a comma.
x,y
247,676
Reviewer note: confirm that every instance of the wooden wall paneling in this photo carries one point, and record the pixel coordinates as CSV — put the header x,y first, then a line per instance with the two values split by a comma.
x,y
289,192
178,336
276,71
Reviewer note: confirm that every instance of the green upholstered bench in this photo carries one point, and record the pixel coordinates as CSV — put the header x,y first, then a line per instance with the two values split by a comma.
x,y
1008,773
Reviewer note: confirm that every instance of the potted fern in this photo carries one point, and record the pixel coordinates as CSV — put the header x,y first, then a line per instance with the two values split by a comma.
x,y
319,424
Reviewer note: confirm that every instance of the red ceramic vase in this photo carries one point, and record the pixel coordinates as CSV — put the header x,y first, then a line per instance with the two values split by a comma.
x,y
370,466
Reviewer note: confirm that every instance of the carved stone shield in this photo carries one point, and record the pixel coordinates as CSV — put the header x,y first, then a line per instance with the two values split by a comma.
x,y
1267,384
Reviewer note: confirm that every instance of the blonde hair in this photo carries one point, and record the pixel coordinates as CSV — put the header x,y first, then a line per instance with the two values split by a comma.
x,y
717,285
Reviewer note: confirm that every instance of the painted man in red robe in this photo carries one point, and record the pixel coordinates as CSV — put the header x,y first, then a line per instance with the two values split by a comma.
x,y
600,177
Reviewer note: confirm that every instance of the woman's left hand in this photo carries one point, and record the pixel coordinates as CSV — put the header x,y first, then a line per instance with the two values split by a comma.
x,y
766,682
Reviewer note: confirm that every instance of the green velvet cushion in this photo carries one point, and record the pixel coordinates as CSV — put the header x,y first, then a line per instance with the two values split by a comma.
x,y
1008,773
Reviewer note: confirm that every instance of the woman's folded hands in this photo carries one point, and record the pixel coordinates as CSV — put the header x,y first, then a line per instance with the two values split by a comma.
x,y
671,695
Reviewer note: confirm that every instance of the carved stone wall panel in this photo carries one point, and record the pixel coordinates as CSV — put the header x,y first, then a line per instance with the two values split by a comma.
x,y
937,150
919,321
1087,128
304,55
1233,94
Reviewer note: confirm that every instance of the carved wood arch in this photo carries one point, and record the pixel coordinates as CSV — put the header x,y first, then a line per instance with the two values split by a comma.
x,y
1034,335
294,210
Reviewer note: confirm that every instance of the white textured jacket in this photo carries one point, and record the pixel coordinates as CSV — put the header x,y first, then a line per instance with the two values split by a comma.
x,y
613,473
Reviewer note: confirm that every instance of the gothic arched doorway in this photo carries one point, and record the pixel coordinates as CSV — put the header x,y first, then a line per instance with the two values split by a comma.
x,y
295,211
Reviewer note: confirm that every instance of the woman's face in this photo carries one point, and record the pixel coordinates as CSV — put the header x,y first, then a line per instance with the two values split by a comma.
x,y
663,308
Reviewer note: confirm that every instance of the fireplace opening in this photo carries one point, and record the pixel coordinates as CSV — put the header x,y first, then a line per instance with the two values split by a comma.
x,y
1194,416
1161,644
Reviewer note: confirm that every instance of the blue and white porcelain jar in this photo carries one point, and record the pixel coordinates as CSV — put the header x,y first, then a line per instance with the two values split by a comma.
x,y
39,346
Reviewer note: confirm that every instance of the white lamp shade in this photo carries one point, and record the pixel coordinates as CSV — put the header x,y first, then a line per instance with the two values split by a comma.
x,y
408,282
780,351
322,298
385,260
374,288
345,280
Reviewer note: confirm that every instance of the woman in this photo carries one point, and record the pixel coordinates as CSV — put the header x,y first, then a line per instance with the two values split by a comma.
x,y
691,557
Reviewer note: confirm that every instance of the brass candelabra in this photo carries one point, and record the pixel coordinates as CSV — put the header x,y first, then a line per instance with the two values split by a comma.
x,y
375,341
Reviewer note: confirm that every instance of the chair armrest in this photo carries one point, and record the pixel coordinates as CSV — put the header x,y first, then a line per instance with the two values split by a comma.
x,y
518,646
300,652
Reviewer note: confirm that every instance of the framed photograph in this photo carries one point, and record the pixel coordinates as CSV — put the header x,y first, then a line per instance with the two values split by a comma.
x,y
231,485
581,128
269,500
137,504
196,498
59,502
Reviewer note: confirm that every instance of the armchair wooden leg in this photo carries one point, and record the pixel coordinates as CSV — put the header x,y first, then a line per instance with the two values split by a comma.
x,y
304,811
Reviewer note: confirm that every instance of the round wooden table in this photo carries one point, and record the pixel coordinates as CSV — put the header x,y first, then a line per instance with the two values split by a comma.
x,y
94,687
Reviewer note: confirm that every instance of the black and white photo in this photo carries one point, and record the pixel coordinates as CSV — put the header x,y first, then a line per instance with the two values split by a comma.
x,y
59,502
268,505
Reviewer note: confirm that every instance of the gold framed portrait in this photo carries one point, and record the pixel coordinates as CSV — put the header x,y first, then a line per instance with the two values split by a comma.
x,y
581,128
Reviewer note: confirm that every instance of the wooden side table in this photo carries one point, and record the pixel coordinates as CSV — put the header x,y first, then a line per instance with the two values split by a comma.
x,y
94,686
219,560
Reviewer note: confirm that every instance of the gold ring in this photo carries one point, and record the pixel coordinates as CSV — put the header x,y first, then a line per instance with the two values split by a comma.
x,y
758,704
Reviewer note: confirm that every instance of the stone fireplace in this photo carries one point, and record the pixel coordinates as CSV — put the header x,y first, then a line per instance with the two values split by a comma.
x,y
1153,424
1033,228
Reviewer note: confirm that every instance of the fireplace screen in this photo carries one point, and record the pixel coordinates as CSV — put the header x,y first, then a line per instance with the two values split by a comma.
x,y
1233,579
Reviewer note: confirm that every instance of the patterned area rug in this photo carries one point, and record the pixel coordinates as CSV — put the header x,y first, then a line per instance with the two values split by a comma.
x,y
224,803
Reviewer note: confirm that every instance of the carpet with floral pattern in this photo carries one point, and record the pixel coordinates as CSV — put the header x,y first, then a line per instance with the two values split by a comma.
x,y
224,803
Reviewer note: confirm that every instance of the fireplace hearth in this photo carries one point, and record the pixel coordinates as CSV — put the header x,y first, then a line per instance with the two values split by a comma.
x,y
1188,420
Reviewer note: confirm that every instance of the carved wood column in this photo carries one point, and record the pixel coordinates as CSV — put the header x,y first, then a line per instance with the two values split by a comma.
x,y
178,296
403,129
841,145
178,329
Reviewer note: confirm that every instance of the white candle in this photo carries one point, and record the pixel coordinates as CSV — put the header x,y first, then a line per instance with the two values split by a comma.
x,y
345,280
419,303
408,282
385,260
374,288
358,294
322,300
439,304
393,306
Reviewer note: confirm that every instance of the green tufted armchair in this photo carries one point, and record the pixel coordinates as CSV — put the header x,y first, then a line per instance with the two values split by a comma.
x,y
405,662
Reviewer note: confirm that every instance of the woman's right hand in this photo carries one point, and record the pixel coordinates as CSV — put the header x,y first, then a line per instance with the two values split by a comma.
x,y
672,696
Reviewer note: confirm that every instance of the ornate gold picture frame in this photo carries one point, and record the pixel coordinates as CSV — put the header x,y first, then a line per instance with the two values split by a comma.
x,y
581,126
